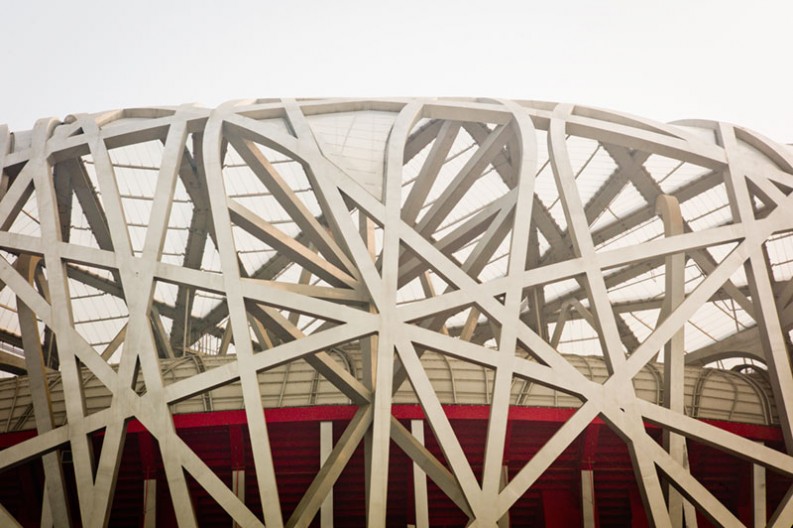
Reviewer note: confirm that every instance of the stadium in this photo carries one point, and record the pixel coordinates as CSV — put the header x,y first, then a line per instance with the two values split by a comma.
x,y
394,312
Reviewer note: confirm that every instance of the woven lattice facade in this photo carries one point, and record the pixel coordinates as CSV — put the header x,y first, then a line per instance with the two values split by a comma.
x,y
368,240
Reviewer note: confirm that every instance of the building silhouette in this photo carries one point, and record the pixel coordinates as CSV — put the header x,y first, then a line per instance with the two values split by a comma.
x,y
394,312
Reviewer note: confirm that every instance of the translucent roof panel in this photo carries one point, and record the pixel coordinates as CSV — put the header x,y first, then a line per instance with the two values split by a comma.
x,y
298,222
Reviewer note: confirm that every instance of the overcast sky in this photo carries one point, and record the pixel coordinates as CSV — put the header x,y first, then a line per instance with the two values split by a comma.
x,y
666,60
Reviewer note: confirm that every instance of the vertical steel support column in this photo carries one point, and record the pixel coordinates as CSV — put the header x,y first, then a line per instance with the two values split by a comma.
x,y
588,498
238,488
420,480
237,465
150,503
148,461
759,496
325,448
503,522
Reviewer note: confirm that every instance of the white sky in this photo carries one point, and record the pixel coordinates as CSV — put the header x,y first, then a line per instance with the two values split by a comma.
x,y
666,60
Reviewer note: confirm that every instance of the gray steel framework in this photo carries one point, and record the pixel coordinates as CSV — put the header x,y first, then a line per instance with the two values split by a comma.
x,y
465,227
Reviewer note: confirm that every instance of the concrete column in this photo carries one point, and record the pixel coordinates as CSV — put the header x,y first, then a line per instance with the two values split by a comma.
x,y
759,495
237,465
503,522
325,448
148,461
420,480
588,498
150,503
238,488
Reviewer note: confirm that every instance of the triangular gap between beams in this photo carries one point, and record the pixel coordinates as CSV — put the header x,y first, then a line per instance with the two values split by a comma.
x,y
306,380
203,322
16,190
702,262
735,485
454,382
422,170
765,194
80,207
24,218
442,505
419,278
272,325
185,221
469,322
98,303
259,240
571,323
732,298
277,189
137,169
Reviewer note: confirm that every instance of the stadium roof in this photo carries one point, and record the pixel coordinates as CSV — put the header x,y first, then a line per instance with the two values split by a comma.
x,y
617,184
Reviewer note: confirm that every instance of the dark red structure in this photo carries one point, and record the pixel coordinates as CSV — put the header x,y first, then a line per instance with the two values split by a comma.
x,y
221,440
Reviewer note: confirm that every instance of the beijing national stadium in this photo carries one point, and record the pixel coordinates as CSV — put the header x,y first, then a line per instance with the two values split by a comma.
x,y
394,312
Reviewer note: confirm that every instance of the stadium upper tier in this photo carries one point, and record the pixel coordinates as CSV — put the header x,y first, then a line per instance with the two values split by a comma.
x,y
713,394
